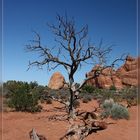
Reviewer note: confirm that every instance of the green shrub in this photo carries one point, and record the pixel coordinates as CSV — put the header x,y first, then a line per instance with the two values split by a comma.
x,y
10,87
23,96
130,95
24,102
87,98
119,112
106,114
33,84
88,88
114,110
107,105
39,91
58,94
113,88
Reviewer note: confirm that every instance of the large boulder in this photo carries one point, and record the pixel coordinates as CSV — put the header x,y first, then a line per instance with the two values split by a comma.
x,y
57,81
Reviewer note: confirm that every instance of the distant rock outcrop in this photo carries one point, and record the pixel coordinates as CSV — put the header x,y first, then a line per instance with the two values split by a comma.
x,y
129,72
57,81
126,75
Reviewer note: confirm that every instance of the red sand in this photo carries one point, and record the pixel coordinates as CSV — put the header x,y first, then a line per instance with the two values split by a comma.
x,y
18,124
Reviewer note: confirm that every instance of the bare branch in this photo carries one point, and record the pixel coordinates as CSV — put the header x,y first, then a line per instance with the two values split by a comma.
x,y
100,71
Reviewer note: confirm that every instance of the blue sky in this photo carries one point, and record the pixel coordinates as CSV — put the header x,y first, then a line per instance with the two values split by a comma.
x,y
112,20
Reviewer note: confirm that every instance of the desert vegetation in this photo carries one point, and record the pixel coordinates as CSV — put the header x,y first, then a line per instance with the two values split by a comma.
x,y
114,110
24,96
30,97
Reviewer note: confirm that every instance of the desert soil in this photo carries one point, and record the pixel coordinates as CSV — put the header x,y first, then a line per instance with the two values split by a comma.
x,y
16,125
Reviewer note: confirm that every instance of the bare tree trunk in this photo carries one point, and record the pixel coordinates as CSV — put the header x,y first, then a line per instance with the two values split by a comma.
x,y
71,107
71,101
33,135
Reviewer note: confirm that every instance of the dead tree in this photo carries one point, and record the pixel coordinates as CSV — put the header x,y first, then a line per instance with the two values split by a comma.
x,y
34,136
80,132
72,50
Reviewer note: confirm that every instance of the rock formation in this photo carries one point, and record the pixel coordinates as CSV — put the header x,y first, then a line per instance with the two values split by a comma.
x,y
129,72
126,75
57,81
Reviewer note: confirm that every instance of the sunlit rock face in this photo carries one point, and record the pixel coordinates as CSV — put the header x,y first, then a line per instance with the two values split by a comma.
x,y
129,72
57,81
126,75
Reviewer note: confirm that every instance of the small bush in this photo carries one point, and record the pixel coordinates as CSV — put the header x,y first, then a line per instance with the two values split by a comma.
x,y
87,98
108,104
34,109
24,102
114,110
59,94
130,95
119,112
106,114
113,88
88,88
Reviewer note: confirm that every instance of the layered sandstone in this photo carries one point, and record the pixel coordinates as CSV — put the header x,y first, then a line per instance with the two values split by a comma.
x,y
126,75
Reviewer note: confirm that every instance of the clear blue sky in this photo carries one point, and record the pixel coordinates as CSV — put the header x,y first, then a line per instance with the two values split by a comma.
x,y
112,20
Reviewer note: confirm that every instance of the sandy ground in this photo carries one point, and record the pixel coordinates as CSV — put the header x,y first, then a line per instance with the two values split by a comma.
x,y
16,125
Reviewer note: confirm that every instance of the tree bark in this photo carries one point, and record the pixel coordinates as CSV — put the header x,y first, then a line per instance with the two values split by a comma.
x,y
71,107
33,135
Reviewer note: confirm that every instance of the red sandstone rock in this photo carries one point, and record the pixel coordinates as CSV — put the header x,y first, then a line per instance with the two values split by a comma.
x,y
129,81
104,81
125,75
117,82
108,71
57,81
